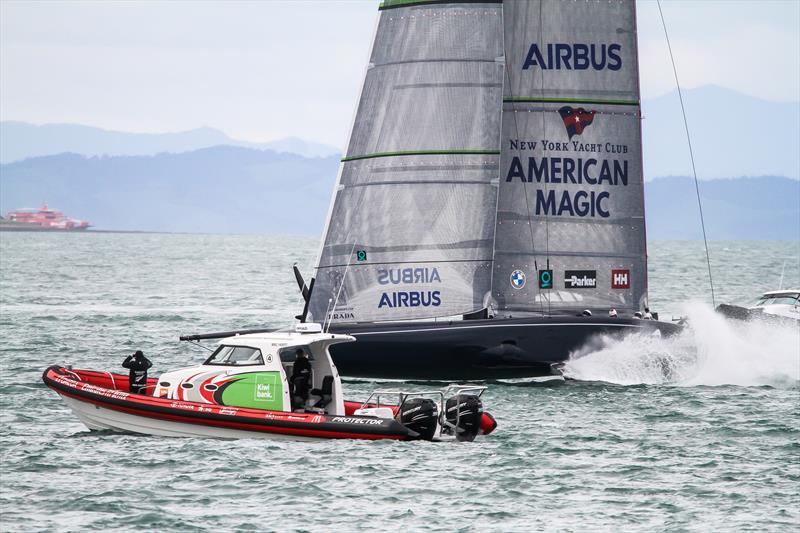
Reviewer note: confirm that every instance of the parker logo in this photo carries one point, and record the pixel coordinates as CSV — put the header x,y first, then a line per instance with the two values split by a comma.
x,y
580,279
576,120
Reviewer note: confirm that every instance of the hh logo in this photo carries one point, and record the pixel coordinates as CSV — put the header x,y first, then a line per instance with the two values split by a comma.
x,y
620,279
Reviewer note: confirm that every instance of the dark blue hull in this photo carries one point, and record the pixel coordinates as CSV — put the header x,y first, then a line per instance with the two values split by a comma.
x,y
474,349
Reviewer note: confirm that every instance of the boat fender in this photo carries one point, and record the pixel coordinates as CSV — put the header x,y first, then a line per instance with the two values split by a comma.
x,y
419,415
488,424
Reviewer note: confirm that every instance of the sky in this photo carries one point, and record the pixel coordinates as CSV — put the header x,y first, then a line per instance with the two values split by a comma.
x,y
263,70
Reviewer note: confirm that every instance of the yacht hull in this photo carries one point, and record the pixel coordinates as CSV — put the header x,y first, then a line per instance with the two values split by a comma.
x,y
476,349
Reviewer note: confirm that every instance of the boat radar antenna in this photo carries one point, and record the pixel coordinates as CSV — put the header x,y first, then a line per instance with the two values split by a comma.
x,y
329,316
691,152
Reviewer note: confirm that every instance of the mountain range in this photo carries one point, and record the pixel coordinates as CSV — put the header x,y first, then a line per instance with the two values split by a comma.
x,y
732,134
20,140
227,189
204,181
222,189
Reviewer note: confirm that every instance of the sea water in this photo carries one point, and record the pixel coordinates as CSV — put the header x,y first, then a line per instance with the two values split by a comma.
x,y
694,433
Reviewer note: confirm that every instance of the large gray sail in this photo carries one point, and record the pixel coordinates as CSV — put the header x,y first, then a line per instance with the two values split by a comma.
x,y
570,222
411,228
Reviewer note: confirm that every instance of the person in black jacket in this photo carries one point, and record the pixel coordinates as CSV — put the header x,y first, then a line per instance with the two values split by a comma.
x,y
301,378
137,378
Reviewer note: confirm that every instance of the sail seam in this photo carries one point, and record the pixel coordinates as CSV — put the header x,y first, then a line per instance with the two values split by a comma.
x,y
411,262
573,254
420,152
422,182
394,4
438,60
538,100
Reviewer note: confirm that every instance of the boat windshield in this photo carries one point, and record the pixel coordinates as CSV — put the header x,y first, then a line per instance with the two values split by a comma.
x,y
235,356
778,299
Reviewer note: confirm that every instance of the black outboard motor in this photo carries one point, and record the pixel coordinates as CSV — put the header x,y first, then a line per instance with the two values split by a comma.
x,y
420,415
464,411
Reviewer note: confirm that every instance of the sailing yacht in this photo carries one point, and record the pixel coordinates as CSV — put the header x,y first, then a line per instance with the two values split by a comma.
x,y
488,214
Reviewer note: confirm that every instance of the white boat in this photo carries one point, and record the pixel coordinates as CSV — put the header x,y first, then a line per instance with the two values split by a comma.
x,y
243,390
775,306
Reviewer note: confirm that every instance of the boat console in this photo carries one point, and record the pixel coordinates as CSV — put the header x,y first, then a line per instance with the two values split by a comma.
x,y
255,371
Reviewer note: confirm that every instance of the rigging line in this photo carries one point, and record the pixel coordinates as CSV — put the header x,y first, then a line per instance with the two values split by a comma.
x,y
691,152
202,346
544,136
344,276
524,184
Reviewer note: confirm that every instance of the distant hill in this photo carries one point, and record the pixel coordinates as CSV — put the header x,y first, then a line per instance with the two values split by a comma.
x,y
762,208
223,189
732,135
20,140
228,189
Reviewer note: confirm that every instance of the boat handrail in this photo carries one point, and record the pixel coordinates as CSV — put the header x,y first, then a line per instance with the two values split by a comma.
x,y
401,396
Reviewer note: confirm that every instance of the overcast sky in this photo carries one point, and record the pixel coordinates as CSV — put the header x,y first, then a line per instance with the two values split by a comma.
x,y
270,69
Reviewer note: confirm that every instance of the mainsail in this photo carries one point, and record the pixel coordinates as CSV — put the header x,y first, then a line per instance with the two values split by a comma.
x,y
570,218
494,162
411,228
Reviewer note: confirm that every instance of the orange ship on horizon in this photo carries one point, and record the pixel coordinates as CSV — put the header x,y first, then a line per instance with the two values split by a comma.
x,y
45,218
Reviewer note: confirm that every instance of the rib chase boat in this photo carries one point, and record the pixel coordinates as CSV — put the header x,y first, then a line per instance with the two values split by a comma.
x,y
242,391
491,191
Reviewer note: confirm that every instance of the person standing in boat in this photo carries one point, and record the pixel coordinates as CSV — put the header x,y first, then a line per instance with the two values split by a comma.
x,y
647,314
138,364
301,378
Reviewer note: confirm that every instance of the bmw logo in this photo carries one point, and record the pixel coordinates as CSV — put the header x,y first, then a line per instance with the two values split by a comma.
x,y
518,279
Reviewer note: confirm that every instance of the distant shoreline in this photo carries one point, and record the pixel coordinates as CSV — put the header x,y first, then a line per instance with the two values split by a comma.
x,y
13,229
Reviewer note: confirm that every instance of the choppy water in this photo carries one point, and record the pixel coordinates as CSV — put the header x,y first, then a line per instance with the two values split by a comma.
x,y
715,449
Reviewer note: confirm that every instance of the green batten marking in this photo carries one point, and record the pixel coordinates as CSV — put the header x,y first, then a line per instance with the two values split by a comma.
x,y
422,152
537,100
392,4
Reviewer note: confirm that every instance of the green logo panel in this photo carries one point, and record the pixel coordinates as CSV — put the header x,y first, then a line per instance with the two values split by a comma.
x,y
259,390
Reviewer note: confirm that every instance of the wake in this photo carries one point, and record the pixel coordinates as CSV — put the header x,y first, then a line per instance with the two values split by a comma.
x,y
712,351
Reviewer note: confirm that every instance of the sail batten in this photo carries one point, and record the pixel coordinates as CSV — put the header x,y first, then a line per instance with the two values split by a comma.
x,y
422,152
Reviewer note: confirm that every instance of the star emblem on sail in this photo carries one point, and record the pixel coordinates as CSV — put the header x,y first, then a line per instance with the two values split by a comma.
x,y
576,120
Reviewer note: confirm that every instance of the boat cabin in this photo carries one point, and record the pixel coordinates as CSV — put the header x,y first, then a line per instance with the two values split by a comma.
x,y
258,371
783,303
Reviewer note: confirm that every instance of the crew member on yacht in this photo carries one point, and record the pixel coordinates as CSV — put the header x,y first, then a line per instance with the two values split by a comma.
x,y
612,313
138,364
647,315
301,377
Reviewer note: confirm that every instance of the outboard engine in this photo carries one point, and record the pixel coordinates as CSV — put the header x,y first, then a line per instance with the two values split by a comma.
x,y
464,411
420,415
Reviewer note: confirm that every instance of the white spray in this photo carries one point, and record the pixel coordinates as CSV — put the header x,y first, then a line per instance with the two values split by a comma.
x,y
713,351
